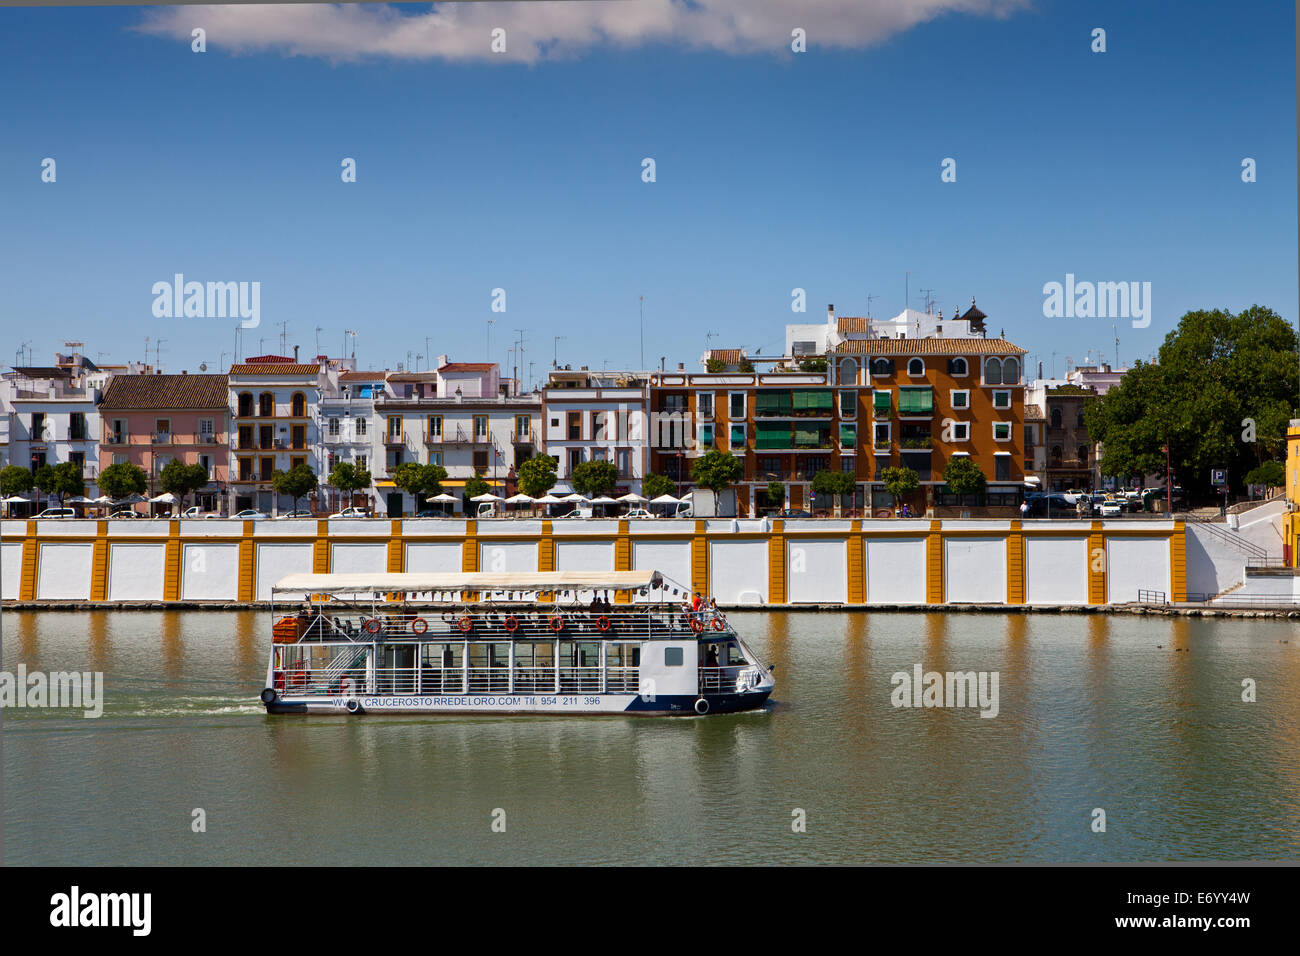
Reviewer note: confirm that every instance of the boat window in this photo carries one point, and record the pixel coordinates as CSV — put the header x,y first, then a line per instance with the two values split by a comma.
x,y
672,657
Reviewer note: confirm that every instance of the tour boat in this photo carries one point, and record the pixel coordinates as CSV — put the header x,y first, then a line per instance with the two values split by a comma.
x,y
564,642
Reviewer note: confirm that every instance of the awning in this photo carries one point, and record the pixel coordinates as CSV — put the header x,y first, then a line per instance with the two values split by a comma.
x,y
461,482
385,484
429,582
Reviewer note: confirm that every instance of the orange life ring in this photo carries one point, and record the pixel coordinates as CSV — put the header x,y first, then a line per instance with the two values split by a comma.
x,y
557,623
697,625
511,622
602,622
419,625
717,624
465,624
372,626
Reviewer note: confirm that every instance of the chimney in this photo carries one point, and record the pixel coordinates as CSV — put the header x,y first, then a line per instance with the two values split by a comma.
x,y
681,366
442,360
830,314
295,354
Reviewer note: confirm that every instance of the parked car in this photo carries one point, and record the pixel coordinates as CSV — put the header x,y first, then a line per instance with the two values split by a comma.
x,y
126,513
1112,509
194,511
793,513
1054,505
296,514
250,514
638,513
350,513
57,513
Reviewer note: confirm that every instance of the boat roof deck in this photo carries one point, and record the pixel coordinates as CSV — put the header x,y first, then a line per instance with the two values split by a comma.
x,y
447,582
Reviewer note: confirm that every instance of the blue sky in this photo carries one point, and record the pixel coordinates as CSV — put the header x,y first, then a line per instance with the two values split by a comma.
x,y
775,170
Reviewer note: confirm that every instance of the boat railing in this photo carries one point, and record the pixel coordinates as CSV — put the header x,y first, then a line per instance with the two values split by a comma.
x,y
298,679
383,624
727,680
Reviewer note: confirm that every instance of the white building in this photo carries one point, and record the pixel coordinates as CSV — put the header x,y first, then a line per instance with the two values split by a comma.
x,y
275,425
346,424
597,416
51,417
458,417
808,339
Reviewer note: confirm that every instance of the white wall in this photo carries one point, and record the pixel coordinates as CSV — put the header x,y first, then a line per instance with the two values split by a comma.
x,y
210,572
65,572
1056,570
1213,565
274,561
507,556
975,570
670,558
816,571
433,556
358,558
584,555
896,571
136,572
11,570
1133,563
738,571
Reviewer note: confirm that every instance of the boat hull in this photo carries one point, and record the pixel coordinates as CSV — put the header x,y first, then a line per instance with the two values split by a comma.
x,y
682,705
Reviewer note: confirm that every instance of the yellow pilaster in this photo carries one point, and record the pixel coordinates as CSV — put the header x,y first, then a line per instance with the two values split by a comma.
x,y
1016,565
853,563
469,548
546,548
396,548
776,565
247,563
171,563
623,558
1096,565
99,563
1178,562
27,584
320,548
934,564
700,558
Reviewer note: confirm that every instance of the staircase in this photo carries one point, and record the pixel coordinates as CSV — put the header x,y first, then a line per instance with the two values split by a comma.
x,y
1255,555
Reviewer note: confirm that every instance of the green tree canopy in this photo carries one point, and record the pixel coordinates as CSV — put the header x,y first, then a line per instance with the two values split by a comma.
x,y
652,486
15,480
775,492
420,481
537,475
1271,474
473,488
963,477
298,482
899,482
180,479
121,480
1220,394
61,480
346,476
717,470
830,482
594,478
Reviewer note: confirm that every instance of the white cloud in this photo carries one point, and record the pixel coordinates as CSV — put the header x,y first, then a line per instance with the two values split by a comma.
x,y
552,30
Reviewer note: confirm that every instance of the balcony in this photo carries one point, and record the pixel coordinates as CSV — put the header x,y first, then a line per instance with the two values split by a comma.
x,y
208,439
433,438
521,438
391,439
916,443
160,438
117,439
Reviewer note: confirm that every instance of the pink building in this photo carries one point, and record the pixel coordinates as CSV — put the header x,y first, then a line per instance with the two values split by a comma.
x,y
150,420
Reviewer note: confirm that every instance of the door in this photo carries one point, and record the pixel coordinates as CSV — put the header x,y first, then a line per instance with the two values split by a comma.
x,y
394,504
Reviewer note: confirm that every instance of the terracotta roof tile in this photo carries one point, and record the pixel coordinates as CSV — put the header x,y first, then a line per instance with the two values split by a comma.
x,y
362,376
274,369
929,347
466,367
730,356
165,392
852,324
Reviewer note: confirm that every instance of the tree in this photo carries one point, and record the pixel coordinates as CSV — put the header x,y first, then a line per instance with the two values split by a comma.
x,y
834,483
1219,396
962,476
537,475
776,493
594,478
123,480
745,365
652,486
715,365
298,482
900,482
815,363
349,479
14,480
420,481
1271,474
180,479
61,480
474,487
717,470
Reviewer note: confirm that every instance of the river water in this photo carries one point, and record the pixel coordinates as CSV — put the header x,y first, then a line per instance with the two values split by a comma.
x,y
1140,717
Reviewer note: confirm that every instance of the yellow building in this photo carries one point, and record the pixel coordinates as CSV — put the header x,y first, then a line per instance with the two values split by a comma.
x,y
1291,520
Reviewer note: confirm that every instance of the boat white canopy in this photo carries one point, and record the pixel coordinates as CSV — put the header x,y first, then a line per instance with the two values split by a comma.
x,y
421,582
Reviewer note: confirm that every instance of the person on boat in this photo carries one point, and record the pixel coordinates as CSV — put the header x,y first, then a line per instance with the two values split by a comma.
x,y
711,659
695,601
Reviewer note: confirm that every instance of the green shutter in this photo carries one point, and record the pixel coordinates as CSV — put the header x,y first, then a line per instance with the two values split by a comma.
x,y
824,401
915,401
737,435
880,401
706,434
806,438
848,436
772,435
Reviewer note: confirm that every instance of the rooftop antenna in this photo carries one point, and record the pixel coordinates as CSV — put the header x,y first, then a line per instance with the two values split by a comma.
x,y
927,297
520,344
318,332
490,323
1116,334
284,335
869,298
642,301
